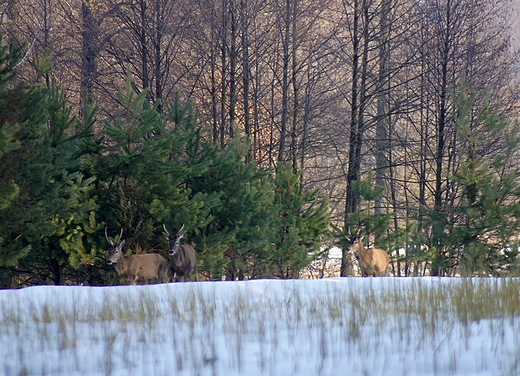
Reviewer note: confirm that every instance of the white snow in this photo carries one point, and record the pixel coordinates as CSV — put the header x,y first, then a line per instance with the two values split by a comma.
x,y
334,326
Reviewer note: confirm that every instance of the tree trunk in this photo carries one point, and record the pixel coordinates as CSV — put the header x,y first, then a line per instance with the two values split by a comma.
x,y
441,140
285,81
351,201
246,73
89,53
232,69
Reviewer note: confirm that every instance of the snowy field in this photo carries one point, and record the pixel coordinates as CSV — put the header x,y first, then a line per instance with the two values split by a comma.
x,y
335,326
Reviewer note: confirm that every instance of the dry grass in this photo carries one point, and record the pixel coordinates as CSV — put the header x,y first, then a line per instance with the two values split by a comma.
x,y
198,329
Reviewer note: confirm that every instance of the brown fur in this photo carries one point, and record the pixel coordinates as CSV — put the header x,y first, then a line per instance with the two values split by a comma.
x,y
183,263
150,267
183,258
372,261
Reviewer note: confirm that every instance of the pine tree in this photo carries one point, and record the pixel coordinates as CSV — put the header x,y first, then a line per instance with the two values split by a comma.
x,y
302,224
477,233
49,206
16,105
63,185
144,170
483,237
236,242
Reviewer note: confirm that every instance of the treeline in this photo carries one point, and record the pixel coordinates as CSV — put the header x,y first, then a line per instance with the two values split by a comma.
x,y
346,92
64,179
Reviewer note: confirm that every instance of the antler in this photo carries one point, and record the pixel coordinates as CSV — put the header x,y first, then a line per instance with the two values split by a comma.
x,y
110,241
165,230
358,235
349,236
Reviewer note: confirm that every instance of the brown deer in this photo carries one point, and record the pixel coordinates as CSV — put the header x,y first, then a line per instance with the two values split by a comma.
x,y
372,261
149,267
183,258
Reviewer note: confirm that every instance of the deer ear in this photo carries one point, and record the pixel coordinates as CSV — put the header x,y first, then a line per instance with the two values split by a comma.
x,y
122,243
167,236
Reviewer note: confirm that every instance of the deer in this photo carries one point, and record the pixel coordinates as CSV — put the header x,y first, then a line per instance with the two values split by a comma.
x,y
183,257
149,267
372,261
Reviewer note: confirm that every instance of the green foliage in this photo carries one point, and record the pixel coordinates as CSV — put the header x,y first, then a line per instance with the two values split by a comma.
x,y
478,233
302,224
145,170
19,131
47,204
63,184
236,241
165,171
365,220
488,213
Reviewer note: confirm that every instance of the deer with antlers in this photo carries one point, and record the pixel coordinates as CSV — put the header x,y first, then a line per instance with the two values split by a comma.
x,y
372,261
149,267
183,257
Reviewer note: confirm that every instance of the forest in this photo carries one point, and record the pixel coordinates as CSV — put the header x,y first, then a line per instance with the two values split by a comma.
x,y
270,129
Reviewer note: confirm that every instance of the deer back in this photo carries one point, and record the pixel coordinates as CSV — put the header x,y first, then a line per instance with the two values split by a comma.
x,y
150,266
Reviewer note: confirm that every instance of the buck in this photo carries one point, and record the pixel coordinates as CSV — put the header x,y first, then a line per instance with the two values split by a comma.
x,y
149,267
183,258
372,261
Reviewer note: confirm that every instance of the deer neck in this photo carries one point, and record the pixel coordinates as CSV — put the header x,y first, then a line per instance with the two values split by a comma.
x,y
123,264
176,255
365,253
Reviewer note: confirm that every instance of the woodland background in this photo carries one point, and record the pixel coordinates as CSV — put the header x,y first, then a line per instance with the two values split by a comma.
x,y
272,129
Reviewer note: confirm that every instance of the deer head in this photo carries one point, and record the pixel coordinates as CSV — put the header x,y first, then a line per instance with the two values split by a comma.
x,y
353,238
174,240
115,252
